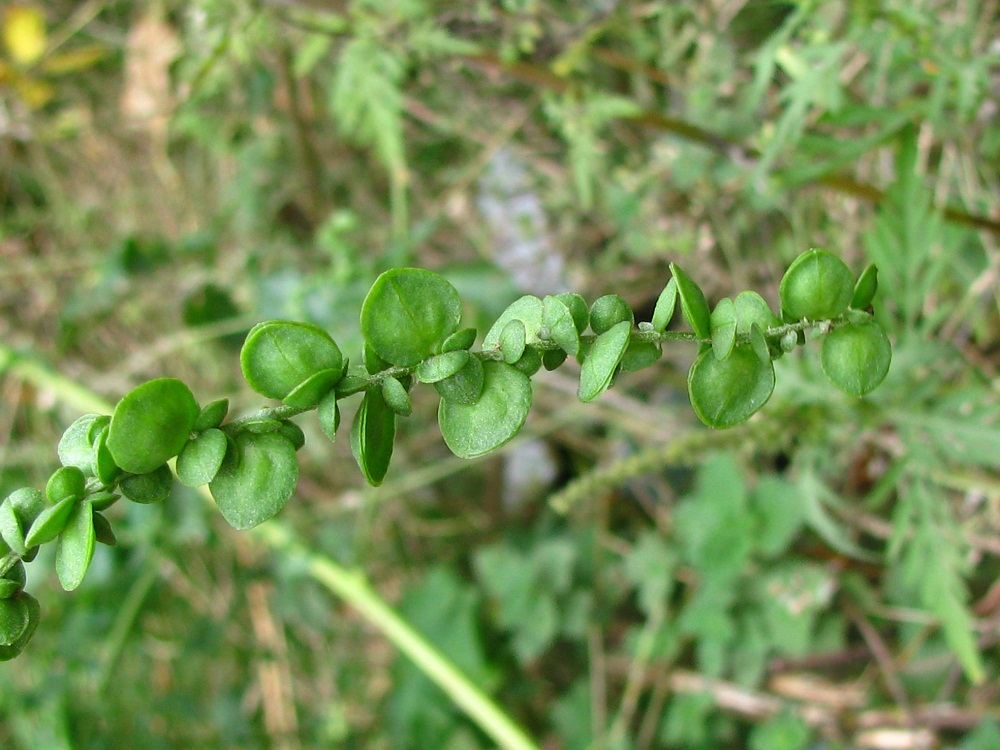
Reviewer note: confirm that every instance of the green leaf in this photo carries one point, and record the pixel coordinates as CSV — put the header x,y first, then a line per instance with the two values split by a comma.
x,y
608,311
34,612
151,424
396,397
817,286
76,546
465,386
103,500
292,433
202,458
666,303
152,487
865,288
472,430
758,342
67,481
751,308
530,361
49,523
328,413
212,415
856,358
17,513
693,303
512,341
461,339
601,362
103,532
257,477
373,433
528,310
442,366
75,444
578,309
13,580
308,393
558,318
727,392
14,619
105,468
408,314
278,356
723,322
553,358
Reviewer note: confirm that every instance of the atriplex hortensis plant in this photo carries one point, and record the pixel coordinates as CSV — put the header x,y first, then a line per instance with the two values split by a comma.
x,y
411,326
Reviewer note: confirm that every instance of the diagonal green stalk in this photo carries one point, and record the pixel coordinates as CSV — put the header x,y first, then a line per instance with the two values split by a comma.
x,y
351,586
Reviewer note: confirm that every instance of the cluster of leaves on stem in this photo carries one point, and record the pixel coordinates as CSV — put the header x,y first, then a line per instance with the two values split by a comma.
x,y
411,322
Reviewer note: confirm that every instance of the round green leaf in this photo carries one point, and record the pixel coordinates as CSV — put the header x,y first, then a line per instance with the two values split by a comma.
x,y
76,546
67,481
553,358
328,414
578,309
257,477
666,303
442,366
723,322
292,433
601,361
465,386
75,444
751,308
528,310
373,433
152,487
202,457
212,415
856,358
530,362
558,319
49,523
308,393
14,618
726,392
151,425
34,613
472,430
639,355
608,311
461,339
864,290
280,355
817,286
408,313
512,341
102,500
693,303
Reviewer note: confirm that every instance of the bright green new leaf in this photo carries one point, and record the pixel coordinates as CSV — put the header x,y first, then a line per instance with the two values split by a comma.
x,y
441,366
558,318
49,523
151,424
693,303
67,481
601,361
396,397
278,356
865,288
408,314
17,513
751,308
817,286
75,444
152,487
34,613
328,413
608,311
666,303
856,358
373,433
512,341
76,546
14,619
257,477
528,310
465,386
723,322
472,430
727,392
202,457
212,415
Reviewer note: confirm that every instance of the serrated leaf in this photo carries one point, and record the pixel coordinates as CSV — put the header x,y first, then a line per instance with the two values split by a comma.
x,y
257,477
373,433
558,318
202,458
727,392
408,314
472,430
76,546
601,361
693,303
666,303
723,323
151,424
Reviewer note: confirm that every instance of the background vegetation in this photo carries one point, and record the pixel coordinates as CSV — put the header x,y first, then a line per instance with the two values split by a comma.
x,y
171,172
